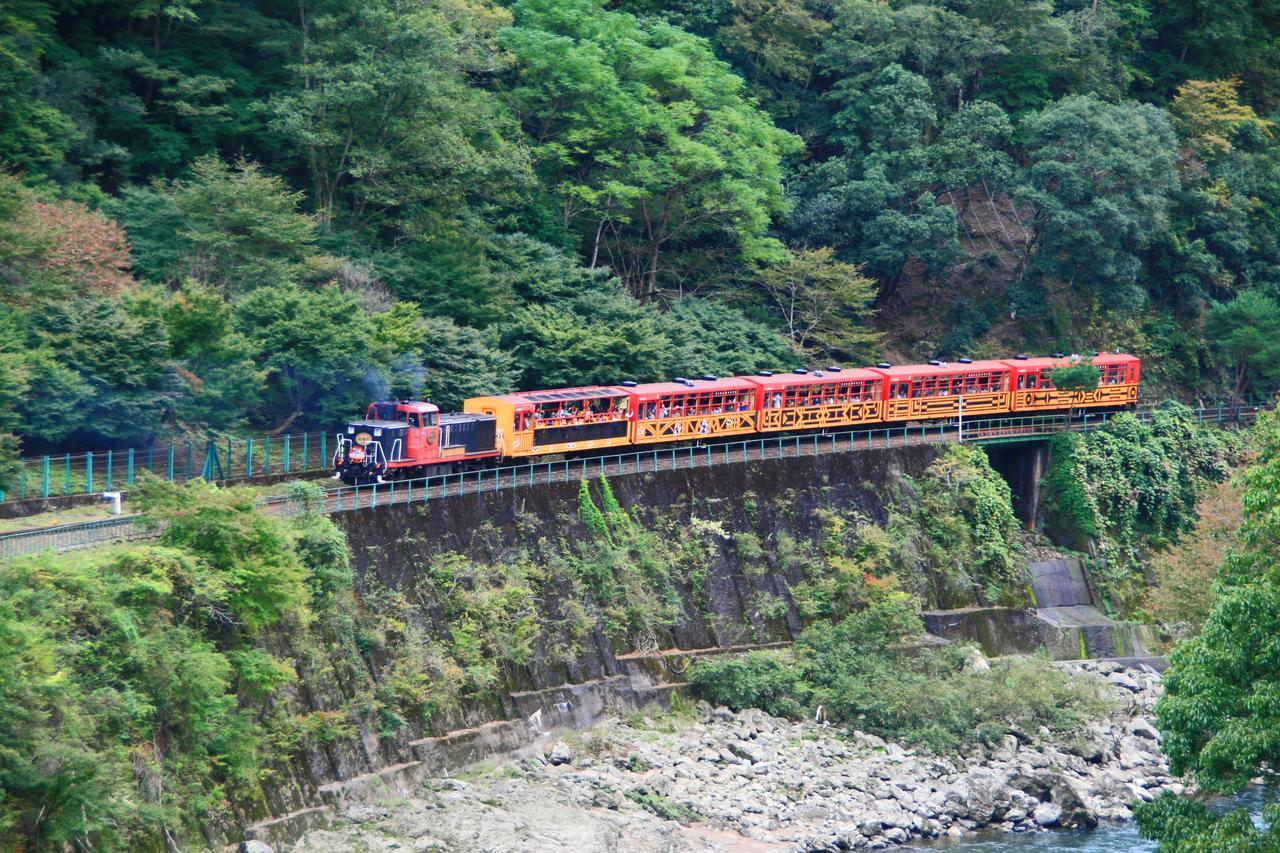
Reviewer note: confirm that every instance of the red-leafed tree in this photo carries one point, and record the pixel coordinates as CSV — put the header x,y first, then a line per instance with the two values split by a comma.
x,y
82,249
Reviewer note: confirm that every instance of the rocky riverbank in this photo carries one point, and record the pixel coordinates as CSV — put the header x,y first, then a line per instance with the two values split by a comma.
x,y
748,781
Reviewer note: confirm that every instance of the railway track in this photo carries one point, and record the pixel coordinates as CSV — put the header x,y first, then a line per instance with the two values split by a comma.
x,y
443,487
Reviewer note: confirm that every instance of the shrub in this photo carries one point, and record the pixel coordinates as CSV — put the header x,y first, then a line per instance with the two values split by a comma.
x,y
769,680
859,671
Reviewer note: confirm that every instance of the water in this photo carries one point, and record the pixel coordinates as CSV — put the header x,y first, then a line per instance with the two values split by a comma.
x,y
1104,839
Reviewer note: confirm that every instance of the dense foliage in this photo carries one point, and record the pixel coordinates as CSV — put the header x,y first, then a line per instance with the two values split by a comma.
x,y
1219,714
859,673
244,214
136,697
1130,486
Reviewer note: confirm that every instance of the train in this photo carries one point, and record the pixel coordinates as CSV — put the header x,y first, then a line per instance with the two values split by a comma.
x,y
403,439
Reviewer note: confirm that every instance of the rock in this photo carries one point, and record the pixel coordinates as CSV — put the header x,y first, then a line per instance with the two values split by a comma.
x,y
1139,727
1047,814
560,753
750,751
1120,679
255,846
722,714
870,828
980,794
896,835
1132,753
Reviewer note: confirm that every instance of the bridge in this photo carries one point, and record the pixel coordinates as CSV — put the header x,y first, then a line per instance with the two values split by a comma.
x,y
987,432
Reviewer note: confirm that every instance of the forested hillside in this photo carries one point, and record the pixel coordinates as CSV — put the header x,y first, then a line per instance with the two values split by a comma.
x,y
229,214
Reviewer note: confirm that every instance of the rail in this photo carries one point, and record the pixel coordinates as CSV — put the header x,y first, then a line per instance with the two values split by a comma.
x,y
445,486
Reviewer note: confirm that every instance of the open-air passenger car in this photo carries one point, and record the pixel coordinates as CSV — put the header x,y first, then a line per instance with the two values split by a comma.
x,y
824,398
558,421
1033,391
691,409
926,391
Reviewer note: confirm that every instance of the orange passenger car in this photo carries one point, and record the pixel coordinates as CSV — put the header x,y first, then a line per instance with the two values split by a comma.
x,y
924,391
563,420
1033,391
693,408
824,398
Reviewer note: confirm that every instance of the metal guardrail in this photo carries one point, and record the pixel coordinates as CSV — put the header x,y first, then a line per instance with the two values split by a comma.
x,y
444,486
69,537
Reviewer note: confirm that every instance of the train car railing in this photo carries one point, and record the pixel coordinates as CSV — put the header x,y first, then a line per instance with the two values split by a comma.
x,y
353,498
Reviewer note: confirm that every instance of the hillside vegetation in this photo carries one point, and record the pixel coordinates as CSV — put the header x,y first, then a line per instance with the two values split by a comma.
x,y
216,216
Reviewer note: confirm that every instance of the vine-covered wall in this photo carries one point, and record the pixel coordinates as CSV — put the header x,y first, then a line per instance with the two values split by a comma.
x,y
1120,492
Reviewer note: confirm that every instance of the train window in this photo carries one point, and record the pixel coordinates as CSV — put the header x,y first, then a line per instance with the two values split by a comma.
x,y
413,420
1115,374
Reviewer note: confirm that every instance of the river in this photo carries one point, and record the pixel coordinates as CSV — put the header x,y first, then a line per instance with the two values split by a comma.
x,y
1104,839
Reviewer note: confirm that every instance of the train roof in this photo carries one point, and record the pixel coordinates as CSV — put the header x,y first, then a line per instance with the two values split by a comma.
x,y
947,368
814,377
562,395
697,386
1102,359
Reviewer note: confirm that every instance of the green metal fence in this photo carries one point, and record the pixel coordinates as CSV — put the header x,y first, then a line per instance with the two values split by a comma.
x,y
223,460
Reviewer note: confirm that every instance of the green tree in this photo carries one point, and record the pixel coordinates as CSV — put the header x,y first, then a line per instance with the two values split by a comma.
x,y
1219,715
600,335
223,384
318,349
1246,331
1100,204
35,136
383,117
643,139
709,337
104,369
825,305
461,362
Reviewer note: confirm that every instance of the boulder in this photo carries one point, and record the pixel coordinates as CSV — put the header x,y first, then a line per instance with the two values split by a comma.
x,y
1120,679
1139,727
1047,814
560,753
980,796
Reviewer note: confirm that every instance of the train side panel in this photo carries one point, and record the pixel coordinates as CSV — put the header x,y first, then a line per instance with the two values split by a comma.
x,y
1034,392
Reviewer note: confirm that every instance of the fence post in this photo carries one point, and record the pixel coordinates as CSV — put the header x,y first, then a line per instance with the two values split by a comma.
x,y
324,449
248,457
128,477
306,462
44,489
286,453
66,475
188,460
109,461
88,473
170,463
266,461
